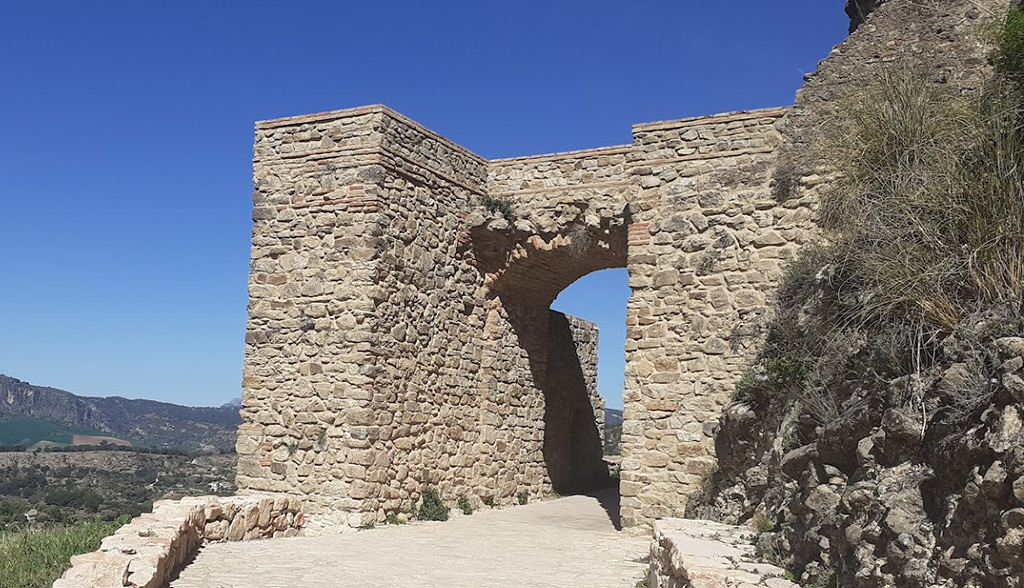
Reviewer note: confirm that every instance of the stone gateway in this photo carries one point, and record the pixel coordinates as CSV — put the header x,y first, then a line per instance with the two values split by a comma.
x,y
399,329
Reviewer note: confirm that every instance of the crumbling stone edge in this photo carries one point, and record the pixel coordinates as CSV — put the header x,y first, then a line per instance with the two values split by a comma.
x,y
704,554
149,550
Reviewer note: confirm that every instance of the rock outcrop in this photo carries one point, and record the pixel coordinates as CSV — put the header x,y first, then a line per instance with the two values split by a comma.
x,y
703,554
920,486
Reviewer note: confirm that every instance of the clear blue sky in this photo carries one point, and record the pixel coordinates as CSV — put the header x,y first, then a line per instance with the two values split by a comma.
x,y
125,164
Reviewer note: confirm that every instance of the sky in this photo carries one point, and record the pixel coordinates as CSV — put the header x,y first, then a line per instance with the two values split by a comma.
x,y
126,158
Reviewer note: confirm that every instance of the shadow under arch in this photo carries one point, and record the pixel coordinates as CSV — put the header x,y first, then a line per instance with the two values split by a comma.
x,y
527,272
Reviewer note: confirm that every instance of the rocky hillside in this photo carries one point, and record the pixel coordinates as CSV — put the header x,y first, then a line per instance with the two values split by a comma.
x,y
878,439
913,481
155,424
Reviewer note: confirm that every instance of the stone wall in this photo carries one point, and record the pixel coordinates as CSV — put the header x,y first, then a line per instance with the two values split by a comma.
x,y
707,245
574,415
585,339
152,548
307,386
377,364
571,213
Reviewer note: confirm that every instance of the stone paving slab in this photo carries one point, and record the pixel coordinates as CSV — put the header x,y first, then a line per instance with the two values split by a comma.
x,y
566,543
705,554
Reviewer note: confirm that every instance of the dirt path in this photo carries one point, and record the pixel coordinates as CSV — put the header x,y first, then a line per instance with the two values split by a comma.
x,y
566,543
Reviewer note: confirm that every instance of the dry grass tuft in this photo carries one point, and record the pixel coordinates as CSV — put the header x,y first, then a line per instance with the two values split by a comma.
x,y
929,216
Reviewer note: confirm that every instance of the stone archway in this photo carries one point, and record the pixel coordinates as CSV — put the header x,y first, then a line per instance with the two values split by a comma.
x,y
525,270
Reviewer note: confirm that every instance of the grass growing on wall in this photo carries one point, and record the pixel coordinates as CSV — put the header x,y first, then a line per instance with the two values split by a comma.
x,y
37,556
498,205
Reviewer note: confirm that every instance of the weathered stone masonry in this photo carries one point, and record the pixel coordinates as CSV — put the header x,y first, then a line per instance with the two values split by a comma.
x,y
399,333
376,365
707,245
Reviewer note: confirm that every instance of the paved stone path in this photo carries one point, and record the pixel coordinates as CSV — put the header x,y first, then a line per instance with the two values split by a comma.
x,y
566,543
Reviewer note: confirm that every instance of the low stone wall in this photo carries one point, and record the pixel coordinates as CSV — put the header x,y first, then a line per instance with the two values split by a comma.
x,y
149,550
703,554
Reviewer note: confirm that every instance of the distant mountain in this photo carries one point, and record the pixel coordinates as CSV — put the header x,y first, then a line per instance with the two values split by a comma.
x,y
612,416
154,424
233,404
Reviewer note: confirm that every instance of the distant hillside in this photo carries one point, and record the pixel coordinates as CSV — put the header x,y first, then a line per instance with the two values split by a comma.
x,y
155,424
69,487
612,431
613,416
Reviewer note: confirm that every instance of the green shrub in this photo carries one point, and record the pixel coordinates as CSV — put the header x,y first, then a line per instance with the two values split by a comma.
x,y
391,518
1009,42
501,206
489,501
37,556
823,576
523,497
432,509
762,523
464,505
700,503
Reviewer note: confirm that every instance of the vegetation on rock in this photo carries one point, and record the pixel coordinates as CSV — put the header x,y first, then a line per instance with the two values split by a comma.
x,y
464,505
878,440
498,205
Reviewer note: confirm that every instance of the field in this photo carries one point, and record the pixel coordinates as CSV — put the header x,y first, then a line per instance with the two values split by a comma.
x,y
35,434
93,440
35,557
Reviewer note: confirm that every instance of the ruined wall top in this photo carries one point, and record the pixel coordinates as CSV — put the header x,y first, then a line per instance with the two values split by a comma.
x,y
377,131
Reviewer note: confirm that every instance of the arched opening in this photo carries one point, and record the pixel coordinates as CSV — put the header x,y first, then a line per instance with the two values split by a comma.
x,y
600,297
526,271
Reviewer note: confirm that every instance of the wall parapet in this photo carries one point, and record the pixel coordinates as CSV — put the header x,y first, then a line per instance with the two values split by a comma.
x,y
148,551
